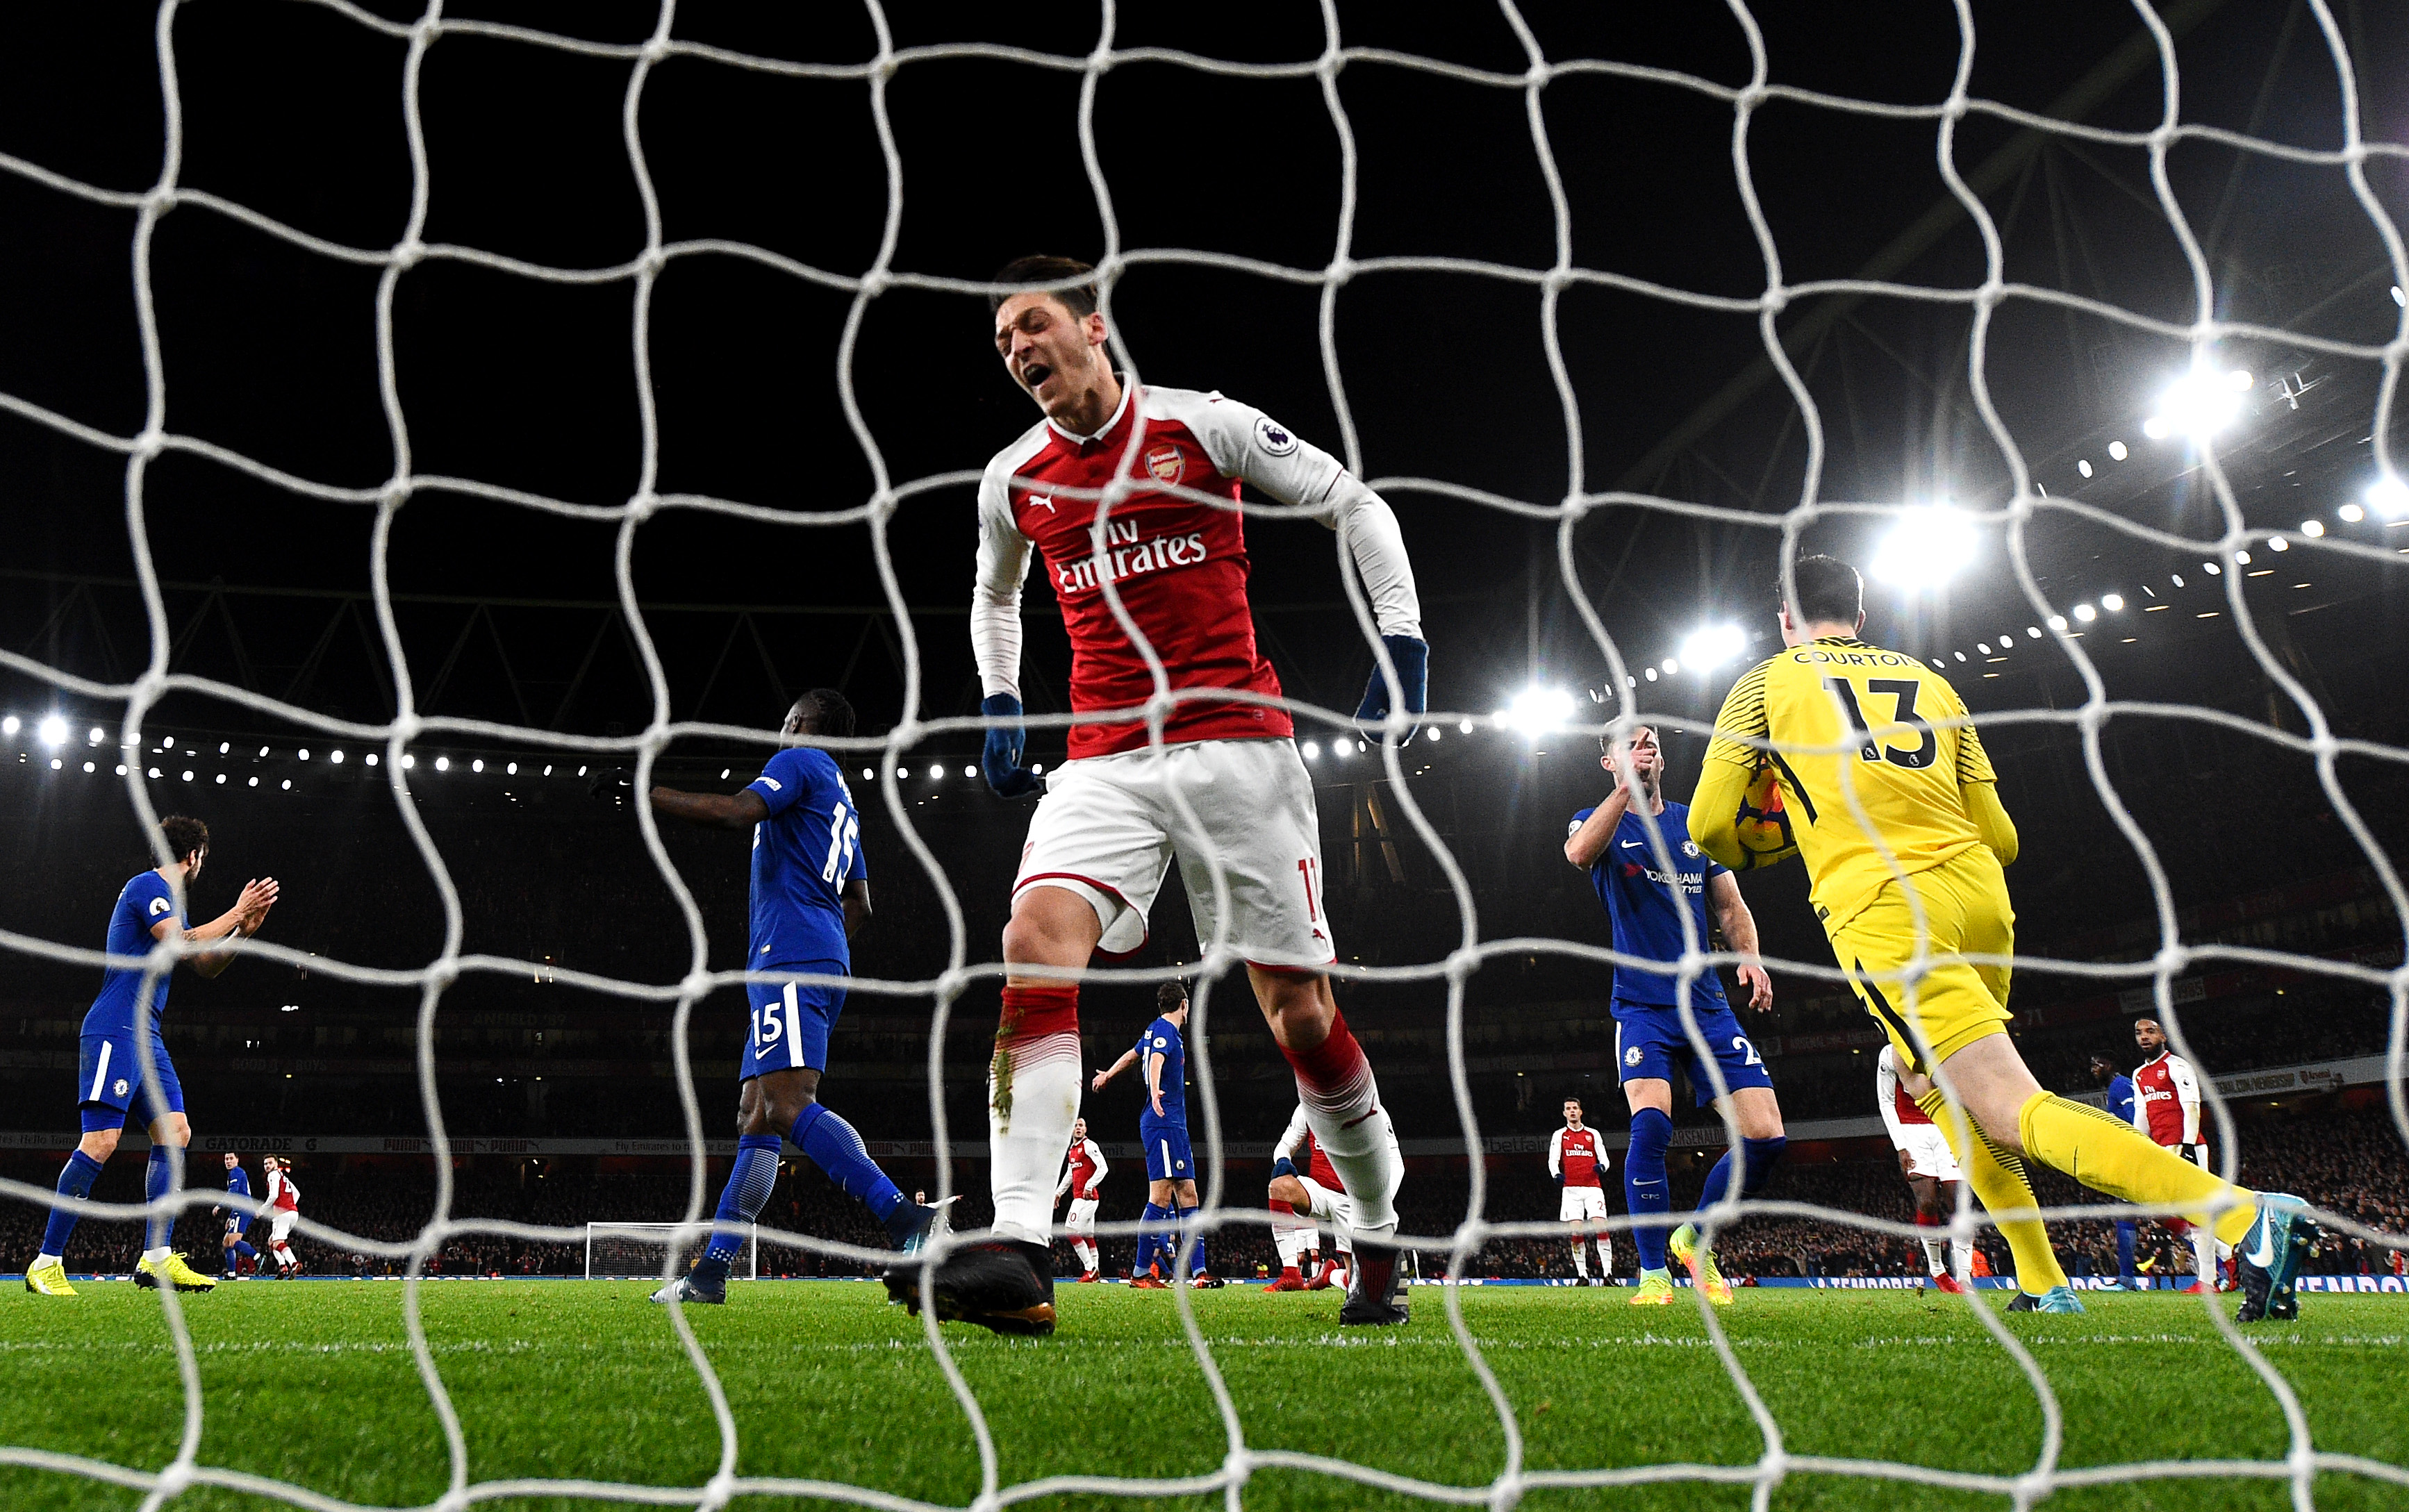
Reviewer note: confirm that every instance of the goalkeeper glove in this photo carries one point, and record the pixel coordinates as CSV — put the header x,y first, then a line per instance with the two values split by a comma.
x,y
1283,1167
1412,660
2196,1154
1005,745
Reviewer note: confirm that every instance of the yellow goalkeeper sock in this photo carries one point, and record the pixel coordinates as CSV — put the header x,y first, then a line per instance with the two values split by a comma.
x,y
1999,1179
2110,1155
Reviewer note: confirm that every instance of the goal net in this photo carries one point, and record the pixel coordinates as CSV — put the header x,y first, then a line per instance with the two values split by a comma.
x,y
648,1251
1997,463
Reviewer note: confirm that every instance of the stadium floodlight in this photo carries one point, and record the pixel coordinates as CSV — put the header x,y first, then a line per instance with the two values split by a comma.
x,y
224,746
1983,646
335,756
2113,602
1433,732
263,750
865,773
2033,630
2085,613
53,730
2082,466
2058,622
120,769
2312,528
1652,674
154,774
443,763
1925,548
255,781
2198,404
1710,646
2276,543
303,753
87,769
96,736
1535,711
513,770
478,764
221,779
188,774
2117,452
2213,568
1465,729
2351,513
56,763
1313,750
372,760
167,742
1037,769
2397,297
2242,557
288,787
2387,499
9,726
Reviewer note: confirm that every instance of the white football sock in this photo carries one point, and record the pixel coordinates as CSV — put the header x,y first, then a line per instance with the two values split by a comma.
x,y
155,1256
40,1261
1961,1257
1086,1250
1289,1242
1580,1258
1365,1156
1032,1100
1934,1250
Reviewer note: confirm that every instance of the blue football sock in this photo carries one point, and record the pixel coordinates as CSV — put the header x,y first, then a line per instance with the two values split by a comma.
x,y
740,1202
1149,1243
157,1182
2125,1232
245,1250
1196,1263
76,1180
836,1149
1759,1154
1646,1190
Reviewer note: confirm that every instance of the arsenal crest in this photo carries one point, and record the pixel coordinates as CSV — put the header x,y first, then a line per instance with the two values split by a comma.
x,y
1166,464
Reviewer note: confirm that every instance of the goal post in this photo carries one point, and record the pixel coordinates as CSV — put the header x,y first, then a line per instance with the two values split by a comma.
x,y
635,1251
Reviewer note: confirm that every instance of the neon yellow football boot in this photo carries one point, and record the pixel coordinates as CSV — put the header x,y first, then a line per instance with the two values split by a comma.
x,y
1684,1246
48,1280
1655,1290
172,1272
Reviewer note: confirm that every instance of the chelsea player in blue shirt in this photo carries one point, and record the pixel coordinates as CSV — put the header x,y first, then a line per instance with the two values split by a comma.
x,y
2120,1105
238,1248
811,891
1612,844
1161,1052
111,1087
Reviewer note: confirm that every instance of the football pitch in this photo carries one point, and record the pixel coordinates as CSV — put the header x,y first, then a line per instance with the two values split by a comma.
x,y
314,1383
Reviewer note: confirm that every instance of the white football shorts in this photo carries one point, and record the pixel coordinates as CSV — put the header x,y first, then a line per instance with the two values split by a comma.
x,y
279,1223
1581,1202
1107,829
1083,1215
1928,1154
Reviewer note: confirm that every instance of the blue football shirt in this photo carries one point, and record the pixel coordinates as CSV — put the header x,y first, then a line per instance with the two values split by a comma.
x,y
237,1184
146,900
2120,1097
1162,1038
1638,895
803,854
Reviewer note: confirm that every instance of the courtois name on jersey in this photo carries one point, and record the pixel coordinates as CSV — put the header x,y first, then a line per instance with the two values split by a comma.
x,y
803,855
145,901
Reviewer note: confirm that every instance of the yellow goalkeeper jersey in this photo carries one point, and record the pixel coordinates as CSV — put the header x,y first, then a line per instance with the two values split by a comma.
x,y
1905,771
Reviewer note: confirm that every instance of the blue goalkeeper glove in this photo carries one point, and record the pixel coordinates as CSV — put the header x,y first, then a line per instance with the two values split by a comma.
x,y
1412,660
1005,745
1283,1167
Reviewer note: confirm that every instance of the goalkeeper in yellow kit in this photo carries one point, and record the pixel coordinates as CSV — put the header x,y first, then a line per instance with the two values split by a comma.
x,y
1895,809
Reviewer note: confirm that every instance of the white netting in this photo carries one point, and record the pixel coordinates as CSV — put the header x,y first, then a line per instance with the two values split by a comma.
x,y
634,1251
1994,291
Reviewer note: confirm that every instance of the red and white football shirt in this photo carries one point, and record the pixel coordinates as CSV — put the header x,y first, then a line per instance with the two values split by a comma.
x,y
1086,1169
1177,560
282,1192
1573,1154
2165,1100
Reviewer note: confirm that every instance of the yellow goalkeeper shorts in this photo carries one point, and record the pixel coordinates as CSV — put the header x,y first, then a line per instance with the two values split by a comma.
x,y
1966,912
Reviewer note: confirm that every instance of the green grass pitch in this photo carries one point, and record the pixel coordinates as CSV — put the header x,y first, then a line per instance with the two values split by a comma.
x,y
314,1383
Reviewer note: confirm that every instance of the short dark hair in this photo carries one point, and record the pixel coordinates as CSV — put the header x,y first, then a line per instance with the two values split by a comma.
x,y
1170,996
1606,747
1079,298
184,835
1829,590
835,718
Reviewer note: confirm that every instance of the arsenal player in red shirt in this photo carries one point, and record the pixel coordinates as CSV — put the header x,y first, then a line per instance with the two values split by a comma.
x,y
1128,496
2165,1107
1577,1156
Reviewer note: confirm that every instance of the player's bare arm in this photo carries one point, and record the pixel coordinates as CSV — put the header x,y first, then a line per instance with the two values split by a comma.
x,y
1739,925
1129,1059
245,917
740,810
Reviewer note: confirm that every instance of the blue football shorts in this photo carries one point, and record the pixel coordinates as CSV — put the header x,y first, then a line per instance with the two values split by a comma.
x,y
1167,1157
1649,1041
110,1090
791,1022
